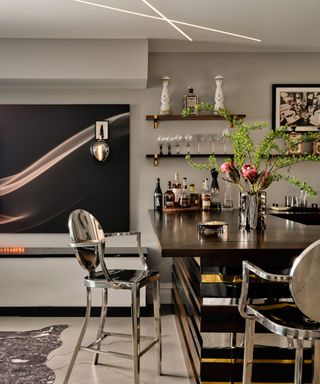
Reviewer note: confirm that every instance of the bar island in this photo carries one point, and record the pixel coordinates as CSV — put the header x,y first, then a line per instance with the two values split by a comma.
x,y
206,274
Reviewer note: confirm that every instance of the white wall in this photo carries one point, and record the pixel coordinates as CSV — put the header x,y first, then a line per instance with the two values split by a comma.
x,y
247,89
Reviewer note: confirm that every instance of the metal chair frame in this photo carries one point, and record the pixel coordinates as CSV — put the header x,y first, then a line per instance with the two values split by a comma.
x,y
252,314
105,282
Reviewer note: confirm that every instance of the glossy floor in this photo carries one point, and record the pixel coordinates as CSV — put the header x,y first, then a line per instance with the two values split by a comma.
x,y
112,370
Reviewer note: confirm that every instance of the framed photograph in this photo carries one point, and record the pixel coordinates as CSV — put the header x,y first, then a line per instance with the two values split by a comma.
x,y
296,106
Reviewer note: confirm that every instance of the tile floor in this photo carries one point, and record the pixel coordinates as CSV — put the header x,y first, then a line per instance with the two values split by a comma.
x,y
118,371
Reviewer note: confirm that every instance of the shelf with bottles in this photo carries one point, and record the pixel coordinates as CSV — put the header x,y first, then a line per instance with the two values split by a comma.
x,y
156,118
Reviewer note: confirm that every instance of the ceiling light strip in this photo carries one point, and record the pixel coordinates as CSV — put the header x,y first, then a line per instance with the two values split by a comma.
x,y
119,9
215,30
162,19
166,19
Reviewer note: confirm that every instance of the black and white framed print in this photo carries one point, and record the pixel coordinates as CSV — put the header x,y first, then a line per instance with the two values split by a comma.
x,y
296,106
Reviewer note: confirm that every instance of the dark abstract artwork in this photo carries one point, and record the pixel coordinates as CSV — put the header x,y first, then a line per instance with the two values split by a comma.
x,y
47,170
23,355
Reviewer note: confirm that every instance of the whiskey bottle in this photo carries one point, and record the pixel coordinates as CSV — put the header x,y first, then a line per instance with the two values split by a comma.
x,y
157,197
205,196
185,200
190,101
176,188
168,197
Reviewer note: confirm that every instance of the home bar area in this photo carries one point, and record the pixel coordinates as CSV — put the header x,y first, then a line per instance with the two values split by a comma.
x,y
206,275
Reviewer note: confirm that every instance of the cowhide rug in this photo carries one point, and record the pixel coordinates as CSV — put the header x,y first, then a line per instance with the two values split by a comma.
x,y
23,355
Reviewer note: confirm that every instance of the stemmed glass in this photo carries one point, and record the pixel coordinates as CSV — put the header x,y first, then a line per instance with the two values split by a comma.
x,y
213,138
177,141
225,137
188,140
197,140
160,140
166,141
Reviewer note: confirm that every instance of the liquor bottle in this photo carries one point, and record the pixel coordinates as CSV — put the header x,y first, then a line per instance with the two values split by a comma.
x,y
168,197
176,188
185,200
157,197
190,101
205,196
215,203
194,196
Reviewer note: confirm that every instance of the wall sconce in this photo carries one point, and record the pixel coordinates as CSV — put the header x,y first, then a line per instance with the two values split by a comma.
x,y
100,149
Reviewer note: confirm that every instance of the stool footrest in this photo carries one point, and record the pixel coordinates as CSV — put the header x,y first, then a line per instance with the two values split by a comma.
x,y
93,347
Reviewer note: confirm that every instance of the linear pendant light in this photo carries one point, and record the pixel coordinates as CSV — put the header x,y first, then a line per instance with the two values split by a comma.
x,y
164,19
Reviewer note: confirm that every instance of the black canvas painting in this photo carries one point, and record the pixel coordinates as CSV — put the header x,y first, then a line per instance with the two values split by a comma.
x,y
46,168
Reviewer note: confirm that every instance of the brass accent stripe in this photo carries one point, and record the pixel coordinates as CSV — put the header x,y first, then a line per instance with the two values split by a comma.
x,y
219,278
256,361
240,382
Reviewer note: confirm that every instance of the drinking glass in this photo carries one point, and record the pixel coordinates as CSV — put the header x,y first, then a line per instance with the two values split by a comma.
x,y
177,142
213,137
160,140
188,140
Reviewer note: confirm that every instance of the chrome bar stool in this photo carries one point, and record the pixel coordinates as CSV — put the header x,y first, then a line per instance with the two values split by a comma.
x,y
298,319
88,242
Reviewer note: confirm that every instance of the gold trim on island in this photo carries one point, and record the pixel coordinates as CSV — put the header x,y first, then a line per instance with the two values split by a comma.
x,y
255,361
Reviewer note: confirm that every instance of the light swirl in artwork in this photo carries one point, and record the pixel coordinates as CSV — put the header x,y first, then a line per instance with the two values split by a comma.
x,y
18,180
12,183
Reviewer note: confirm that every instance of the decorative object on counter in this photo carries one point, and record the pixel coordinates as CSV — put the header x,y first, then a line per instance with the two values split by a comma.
x,y
255,167
100,149
157,197
296,106
165,108
218,96
190,100
213,228
253,210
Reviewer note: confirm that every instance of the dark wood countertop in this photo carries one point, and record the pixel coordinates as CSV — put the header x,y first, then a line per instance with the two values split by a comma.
x,y
281,240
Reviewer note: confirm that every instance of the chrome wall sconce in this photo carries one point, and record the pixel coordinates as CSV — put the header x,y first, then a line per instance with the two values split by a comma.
x,y
100,149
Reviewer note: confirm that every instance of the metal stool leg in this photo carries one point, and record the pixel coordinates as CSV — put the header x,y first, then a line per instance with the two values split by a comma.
x,y
298,363
248,351
103,316
82,333
157,324
135,318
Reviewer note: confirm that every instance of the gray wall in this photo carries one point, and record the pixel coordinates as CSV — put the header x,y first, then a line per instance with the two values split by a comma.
x,y
247,89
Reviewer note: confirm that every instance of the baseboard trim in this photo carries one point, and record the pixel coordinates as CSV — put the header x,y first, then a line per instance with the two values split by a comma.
x,y
79,311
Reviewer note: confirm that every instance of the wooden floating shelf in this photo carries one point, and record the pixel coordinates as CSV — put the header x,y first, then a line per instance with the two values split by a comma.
x,y
156,118
192,155
156,157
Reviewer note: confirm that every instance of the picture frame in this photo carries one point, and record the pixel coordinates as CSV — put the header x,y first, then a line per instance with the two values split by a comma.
x,y
297,106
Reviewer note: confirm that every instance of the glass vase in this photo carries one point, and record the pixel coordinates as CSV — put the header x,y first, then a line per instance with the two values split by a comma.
x,y
252,210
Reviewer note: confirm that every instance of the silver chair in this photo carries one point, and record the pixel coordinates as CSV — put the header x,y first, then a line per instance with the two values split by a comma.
x,y
297,318
88,242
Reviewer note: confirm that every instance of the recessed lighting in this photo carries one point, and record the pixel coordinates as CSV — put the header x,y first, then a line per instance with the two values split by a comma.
x,y
166,19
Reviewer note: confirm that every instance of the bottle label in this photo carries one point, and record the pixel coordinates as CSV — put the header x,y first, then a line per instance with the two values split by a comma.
x,y
206,203
169,204
177,194
191,101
